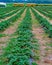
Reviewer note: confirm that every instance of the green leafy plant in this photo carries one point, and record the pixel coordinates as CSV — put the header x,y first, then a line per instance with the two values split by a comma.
x,y
34,63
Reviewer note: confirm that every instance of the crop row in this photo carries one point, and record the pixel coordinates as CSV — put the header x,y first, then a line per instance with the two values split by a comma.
x,y
9,14
46,8
6,10
46,25
43,11
6,23
20,50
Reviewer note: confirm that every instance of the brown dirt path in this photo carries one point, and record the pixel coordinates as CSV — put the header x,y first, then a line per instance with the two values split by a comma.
x,y
9,16
10,31
45,58
43,16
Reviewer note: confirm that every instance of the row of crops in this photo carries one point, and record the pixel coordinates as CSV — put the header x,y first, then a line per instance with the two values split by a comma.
x,y
6,10
8,14
45,24
6,23
22,50
47,11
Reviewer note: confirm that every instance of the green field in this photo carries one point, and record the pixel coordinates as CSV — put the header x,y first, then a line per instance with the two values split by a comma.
x,y
26,35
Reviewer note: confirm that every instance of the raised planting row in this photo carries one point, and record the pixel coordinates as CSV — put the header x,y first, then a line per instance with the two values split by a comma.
x,y
9,14
21,50
43,11
47,9
46,25
6,23
6,10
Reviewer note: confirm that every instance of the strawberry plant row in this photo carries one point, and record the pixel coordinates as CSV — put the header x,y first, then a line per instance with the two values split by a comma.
x,y
9,14
43,12
7,10
46,25
19,51
5,24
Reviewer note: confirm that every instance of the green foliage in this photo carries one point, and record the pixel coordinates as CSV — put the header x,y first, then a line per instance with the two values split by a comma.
x,y
2,35
6,23
9,14
46,25
45,10
19,50
5,10
34,63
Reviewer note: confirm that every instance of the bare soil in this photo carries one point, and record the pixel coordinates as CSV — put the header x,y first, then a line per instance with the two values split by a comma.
x,y
37,30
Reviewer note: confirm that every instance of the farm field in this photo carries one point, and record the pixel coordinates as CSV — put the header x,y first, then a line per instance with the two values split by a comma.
x,y
26,35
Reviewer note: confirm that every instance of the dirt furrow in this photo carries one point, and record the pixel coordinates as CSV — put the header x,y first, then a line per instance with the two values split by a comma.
x,y
43,40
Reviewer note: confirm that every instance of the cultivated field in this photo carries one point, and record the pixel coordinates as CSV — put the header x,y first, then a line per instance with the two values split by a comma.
x,y
26,35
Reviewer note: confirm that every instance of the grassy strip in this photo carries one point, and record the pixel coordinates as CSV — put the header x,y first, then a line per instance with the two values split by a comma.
x,y
49,45
5,24
19,51
3,35
46,25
